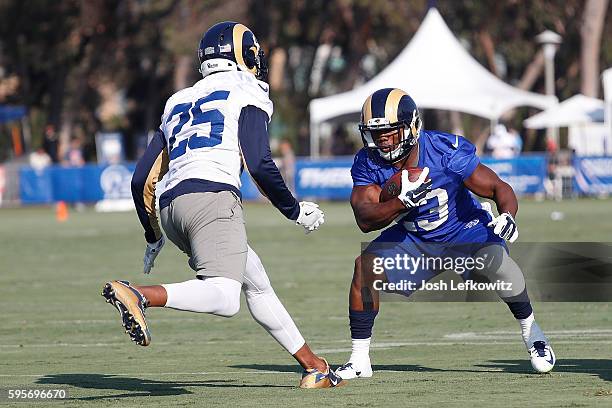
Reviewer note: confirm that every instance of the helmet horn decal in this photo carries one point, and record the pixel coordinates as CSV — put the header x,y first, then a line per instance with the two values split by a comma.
x,y
231,46
392,104
238,33
366,112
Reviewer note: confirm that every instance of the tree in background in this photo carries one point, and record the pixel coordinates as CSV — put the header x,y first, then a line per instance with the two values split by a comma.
x,y
93,65
591,31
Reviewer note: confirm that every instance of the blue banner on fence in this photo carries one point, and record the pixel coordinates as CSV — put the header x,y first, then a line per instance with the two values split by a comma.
x,y
320,179
331,179
593,175
525,174
324,179
248,189
90,183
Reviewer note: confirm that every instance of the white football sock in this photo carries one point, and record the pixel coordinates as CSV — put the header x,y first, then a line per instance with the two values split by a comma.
x,y
215,295
266,308
360,349
526,327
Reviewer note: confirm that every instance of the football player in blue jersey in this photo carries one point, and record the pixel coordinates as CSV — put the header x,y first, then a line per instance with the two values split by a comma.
x,y
435,215
207,132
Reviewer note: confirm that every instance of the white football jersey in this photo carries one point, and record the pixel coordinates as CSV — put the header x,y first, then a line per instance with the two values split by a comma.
x,y
200,124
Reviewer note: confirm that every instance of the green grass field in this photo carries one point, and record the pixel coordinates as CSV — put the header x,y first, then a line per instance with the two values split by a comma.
x,y
57,332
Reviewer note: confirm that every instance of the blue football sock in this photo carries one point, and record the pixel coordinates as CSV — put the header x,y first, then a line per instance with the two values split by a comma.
x,y
520,310
361,323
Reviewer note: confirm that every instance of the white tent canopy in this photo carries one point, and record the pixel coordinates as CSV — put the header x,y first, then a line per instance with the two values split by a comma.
x,y
438,73
577,110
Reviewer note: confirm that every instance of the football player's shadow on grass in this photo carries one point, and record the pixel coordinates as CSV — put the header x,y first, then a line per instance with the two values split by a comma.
x,y
136,387
599,367
296,369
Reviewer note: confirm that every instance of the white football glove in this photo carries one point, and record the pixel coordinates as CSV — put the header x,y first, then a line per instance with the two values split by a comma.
x,y
505,227
485,205
311,217
413,192
151,252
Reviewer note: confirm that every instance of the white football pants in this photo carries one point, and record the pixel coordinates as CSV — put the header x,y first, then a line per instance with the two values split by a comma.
x,y
221,296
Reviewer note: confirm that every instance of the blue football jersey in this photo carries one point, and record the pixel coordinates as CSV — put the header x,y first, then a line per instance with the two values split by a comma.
x,y
450,206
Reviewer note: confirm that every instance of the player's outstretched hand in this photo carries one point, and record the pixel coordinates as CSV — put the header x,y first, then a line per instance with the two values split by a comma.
x,y
151,252
413,192
311,217
505,227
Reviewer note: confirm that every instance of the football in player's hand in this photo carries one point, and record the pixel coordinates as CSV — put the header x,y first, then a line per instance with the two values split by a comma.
x,y
393,186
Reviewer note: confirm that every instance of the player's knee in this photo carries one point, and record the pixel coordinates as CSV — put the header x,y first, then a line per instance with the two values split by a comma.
x,y
231,308
494,257
502,268
256,283
230,294
357,270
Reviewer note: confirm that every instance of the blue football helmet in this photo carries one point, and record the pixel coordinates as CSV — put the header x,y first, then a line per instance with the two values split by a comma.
x,y
230,46
386,110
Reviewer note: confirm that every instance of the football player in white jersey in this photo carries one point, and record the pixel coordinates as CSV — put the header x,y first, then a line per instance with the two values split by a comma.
x,y
206,133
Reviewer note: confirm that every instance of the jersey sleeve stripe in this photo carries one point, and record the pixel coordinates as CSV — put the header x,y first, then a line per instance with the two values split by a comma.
x,y
149,169
159,169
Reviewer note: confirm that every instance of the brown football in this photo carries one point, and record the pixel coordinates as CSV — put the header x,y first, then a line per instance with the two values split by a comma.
x,y
393,186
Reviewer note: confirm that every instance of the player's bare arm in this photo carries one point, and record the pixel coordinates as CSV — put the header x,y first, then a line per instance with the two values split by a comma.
x,y
370,214
485,183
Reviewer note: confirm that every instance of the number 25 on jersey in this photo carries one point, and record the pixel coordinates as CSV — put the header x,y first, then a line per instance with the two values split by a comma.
x,y
198,115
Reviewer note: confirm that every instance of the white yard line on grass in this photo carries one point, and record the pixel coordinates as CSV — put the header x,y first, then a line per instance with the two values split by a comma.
x,y
377,345
385,346
553,334
157,374
107,321
586,336
48,345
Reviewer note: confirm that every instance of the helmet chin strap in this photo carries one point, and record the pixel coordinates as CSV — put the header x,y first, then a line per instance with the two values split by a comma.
x,y
217,65
389,155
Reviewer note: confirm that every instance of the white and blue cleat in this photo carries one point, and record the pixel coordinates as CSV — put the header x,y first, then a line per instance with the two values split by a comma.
x,y
542,357
540,352
350,370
